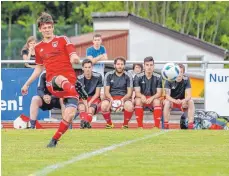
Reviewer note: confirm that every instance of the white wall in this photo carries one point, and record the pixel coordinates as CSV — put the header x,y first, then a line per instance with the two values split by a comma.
x,y
146,42
111,24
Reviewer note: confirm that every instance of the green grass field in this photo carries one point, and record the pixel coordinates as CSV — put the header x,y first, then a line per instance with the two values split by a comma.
x,y
188,153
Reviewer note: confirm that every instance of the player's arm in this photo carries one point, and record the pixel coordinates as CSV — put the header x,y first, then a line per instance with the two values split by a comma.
x,y
159,88
107,92
158,94
37,71
137,87
168,95
130,83
80,89
104,54
95,59
188,91
129,93
74,58
107,87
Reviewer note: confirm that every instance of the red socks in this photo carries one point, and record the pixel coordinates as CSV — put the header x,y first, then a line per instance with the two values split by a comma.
x,y
107,117
190,125
89,117
67,86
157,113
83,116
166,125
61,130
127,117
139,115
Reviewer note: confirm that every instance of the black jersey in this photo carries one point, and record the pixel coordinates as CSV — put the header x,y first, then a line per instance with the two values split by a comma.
x,y
118,84
178,88
90,85
148,87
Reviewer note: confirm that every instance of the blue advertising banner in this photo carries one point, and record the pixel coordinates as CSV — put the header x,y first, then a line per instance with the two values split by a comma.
x,y
13,103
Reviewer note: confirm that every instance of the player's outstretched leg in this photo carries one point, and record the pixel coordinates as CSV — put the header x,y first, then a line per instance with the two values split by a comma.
x,y
69,113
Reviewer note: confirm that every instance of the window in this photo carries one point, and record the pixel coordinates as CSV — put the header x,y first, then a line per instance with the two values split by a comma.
x,y
195,66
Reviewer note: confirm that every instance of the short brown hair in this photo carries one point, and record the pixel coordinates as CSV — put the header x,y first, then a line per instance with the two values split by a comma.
x,y
121,59
86,61
140,65
97,35
182,67
149,59
44,18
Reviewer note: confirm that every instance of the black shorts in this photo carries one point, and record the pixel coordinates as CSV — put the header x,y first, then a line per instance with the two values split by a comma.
x,y
55,103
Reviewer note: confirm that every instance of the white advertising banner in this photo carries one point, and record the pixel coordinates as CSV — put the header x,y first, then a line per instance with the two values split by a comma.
x,y
217,91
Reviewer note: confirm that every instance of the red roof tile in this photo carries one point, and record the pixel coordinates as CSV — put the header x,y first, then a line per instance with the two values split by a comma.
x,y
87,38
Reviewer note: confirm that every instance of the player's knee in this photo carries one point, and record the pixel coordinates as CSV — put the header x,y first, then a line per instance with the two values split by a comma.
x,y
69,113
190,102
36,100
138,102
91,110
156,102
81,107
105,105
58,80
128,106
166,104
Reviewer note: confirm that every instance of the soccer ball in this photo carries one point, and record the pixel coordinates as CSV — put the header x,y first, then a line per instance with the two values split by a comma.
x,y
170,71
117,106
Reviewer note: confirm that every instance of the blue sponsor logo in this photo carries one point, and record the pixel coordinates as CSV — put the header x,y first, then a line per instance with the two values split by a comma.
x,y
218,78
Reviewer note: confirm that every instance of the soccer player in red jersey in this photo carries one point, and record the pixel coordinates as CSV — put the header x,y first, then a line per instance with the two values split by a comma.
x,y
56,54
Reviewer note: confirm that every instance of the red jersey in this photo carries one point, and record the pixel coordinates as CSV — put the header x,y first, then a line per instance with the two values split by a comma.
x,y
55,56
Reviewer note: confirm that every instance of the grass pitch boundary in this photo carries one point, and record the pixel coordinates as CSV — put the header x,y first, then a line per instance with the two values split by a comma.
x,y
87,155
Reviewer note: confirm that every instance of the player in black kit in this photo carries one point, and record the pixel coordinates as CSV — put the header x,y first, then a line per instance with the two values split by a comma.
x,y
118,85
92,83
148,89
178,95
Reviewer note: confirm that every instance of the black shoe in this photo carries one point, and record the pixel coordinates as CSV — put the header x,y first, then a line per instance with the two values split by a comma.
x,y
82,124
87,125
52,143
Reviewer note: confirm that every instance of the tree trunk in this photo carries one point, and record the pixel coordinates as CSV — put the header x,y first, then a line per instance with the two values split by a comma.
x,y
163,11
134,7
139,6
186,10
146,7
155,12
203,29
198,30
180,12
167,10
127,6
216,29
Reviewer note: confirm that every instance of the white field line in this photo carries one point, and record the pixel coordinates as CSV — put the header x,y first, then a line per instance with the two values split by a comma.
x,y
83,156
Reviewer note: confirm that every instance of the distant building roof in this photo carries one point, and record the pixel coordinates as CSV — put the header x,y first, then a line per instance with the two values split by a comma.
x,y
87,38
164,30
